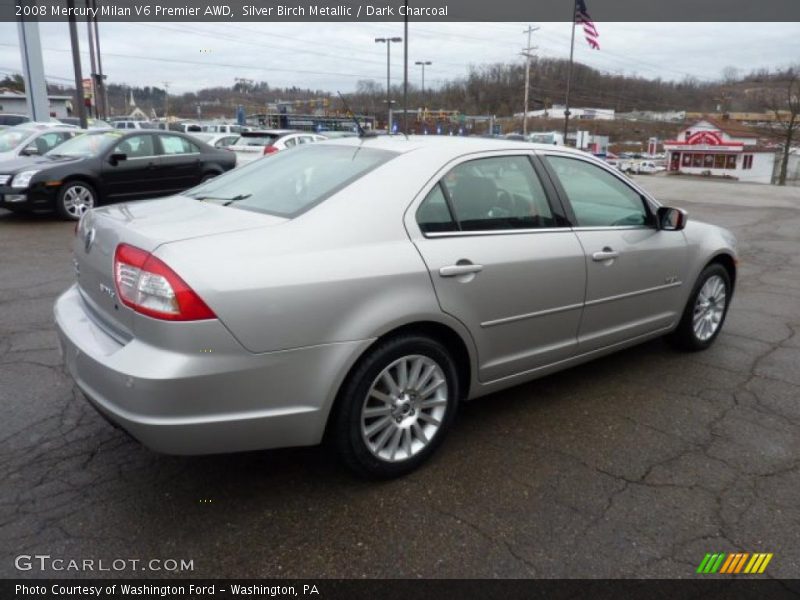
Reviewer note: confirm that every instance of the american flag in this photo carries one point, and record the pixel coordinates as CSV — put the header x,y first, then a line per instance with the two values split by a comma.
x,y
589,30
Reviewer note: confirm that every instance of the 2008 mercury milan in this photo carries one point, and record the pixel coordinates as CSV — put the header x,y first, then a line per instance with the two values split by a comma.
x,y
362,288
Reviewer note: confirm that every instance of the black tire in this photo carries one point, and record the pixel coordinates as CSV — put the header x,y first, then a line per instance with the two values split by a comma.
x,y
208,177
684,337
346,421
68,210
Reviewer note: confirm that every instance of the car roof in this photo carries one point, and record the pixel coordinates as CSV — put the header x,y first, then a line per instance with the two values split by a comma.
x,y
256,132
454,145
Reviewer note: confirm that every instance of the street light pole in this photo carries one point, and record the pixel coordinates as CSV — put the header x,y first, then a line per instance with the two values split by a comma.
x,y
423,64
527,54
388,42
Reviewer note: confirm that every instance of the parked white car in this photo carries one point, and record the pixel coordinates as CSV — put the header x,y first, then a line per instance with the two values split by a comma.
x,y
225,128
255,144
132,125
217,140
33,139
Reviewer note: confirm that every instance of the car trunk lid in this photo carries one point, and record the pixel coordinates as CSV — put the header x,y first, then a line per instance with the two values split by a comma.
x,y
145,225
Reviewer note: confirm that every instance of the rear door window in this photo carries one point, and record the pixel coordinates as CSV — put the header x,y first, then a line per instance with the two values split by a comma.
x,y
136,146
498,193
174,144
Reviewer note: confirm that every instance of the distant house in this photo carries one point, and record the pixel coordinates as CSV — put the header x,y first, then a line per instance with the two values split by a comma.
x,y
12,101
721,147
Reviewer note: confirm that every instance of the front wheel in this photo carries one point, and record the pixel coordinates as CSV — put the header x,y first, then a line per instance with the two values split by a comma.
x,y
705,311
396,407
74,199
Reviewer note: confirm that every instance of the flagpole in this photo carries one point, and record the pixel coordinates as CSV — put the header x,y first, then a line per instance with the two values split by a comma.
x,y
569,71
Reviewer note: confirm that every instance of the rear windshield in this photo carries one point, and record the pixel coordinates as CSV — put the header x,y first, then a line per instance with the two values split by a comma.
x,y
261,139
289,183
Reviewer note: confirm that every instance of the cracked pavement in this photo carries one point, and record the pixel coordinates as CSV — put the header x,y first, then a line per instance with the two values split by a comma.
x,y
634,465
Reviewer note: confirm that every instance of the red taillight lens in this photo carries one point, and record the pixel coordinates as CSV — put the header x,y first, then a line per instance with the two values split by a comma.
x,y
150,287
270,149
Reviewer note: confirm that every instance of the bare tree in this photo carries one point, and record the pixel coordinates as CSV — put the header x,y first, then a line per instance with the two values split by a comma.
x,y
730,75
784,102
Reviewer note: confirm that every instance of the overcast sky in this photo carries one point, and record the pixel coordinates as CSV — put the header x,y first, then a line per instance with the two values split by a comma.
x,y
335,56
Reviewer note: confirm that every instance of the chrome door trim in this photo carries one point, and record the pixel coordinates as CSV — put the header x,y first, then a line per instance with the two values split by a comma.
x,y
657,288
533,315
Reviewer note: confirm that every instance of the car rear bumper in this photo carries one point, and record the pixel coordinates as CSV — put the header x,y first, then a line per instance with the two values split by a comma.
x,y
202,402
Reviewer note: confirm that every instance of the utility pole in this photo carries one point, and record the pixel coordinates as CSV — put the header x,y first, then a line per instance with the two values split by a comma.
x,y
101,79
526,52
405,70
76,64
388,42
423,64
93,63
166,104
569,71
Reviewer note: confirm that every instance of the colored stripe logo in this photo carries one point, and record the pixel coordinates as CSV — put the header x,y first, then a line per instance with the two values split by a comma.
x,y
734,563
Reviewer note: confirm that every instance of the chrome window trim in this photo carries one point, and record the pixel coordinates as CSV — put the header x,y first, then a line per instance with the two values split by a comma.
x,y
613,228
446,234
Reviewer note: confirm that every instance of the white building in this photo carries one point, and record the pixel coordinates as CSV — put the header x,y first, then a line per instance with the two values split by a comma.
x,y
663,116
721,148
12,101
557,112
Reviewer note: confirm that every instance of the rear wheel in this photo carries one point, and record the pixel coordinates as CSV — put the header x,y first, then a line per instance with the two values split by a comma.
x,y
396,407
705,311
208,177
74,199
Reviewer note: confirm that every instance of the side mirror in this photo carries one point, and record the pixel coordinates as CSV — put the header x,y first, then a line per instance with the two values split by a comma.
x,y
671,219
30,151
117,157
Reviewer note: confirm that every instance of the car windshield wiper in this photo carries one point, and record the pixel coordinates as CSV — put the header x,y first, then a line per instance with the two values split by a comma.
x,y
225,201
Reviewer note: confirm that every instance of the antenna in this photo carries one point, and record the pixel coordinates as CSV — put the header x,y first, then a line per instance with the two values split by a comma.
x,y
361,132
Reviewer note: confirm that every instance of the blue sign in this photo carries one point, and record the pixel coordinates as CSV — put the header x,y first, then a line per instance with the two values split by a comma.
x,y
241,118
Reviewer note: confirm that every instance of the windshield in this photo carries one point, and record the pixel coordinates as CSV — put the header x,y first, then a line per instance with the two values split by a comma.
x,y
11,138
90,144
291,182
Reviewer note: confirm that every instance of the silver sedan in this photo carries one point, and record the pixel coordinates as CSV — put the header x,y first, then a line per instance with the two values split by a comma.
x,y
358,290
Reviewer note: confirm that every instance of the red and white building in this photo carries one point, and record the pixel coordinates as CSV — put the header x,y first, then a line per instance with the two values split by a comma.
x,y
721,148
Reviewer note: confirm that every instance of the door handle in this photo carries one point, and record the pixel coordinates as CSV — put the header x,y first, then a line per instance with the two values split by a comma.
x,y
605,254
456,270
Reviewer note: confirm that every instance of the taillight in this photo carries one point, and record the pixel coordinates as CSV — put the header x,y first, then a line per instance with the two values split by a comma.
x,y
150,287
270,149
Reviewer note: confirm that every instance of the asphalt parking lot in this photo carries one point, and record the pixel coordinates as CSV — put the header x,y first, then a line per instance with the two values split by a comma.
x,y
634,465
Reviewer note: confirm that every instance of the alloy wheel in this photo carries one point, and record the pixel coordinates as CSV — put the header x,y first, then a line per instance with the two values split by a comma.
x,y
77,200
709,308
404,408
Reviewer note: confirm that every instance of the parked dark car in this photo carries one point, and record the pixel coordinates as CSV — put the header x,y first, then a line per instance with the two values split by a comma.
x,y
10,120
107,166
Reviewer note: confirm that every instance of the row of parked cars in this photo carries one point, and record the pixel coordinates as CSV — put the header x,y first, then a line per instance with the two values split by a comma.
x,y
56,167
